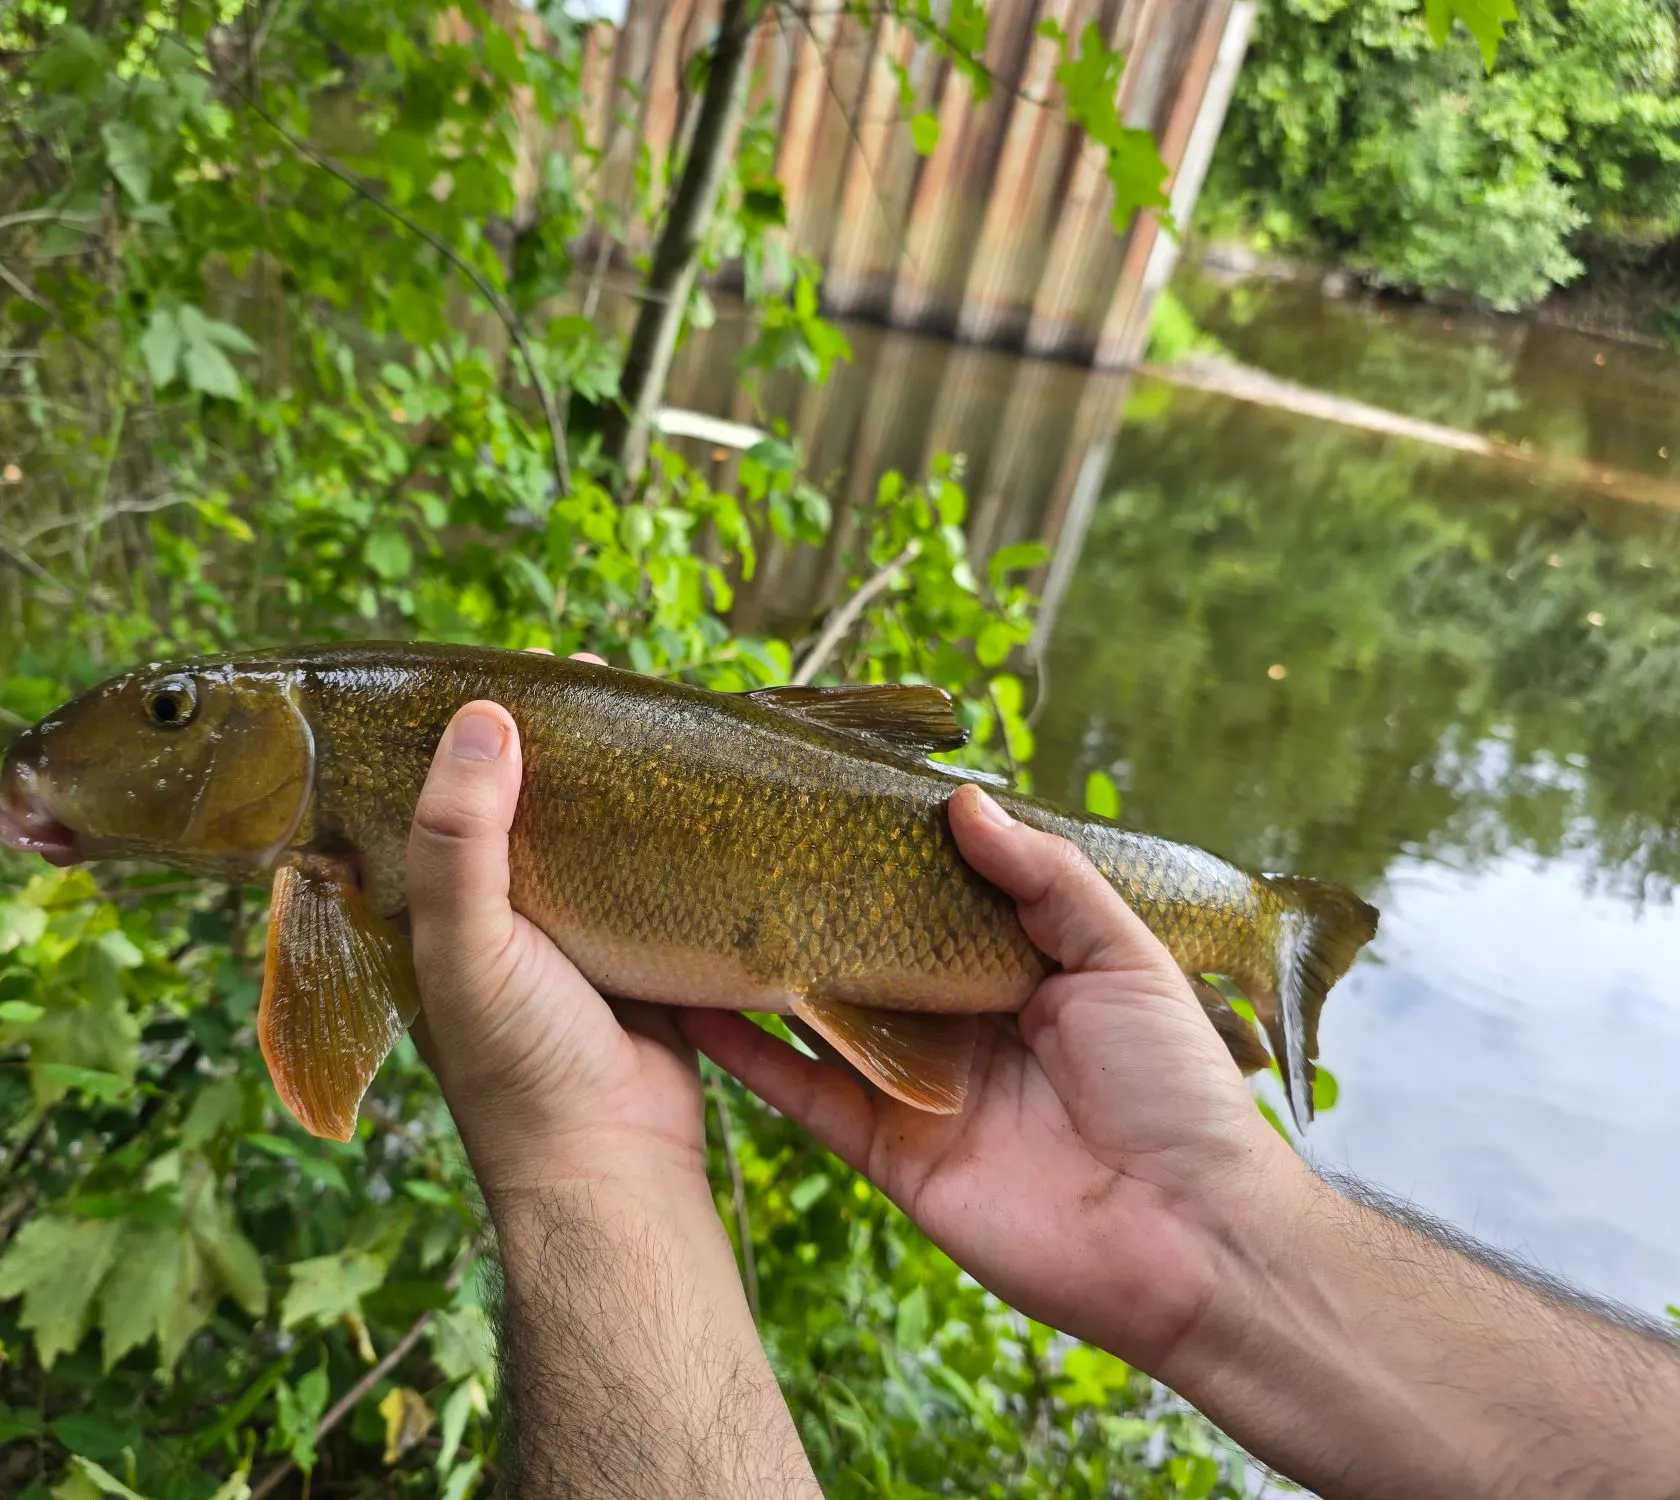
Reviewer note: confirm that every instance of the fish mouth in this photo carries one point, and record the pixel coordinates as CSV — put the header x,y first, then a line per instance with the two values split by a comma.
x,y
28,824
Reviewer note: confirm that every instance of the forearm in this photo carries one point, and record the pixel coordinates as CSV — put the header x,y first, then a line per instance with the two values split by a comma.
x,y
1365,1357
631,1365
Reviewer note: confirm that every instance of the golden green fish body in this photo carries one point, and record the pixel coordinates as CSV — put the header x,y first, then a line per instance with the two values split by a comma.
x,y
703,848
680,845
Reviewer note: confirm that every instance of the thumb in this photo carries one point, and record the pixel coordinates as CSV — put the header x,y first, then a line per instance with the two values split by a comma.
x,y
1069,910
458,846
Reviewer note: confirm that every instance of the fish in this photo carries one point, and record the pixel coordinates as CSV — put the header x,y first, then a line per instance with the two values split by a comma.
x,y
782,850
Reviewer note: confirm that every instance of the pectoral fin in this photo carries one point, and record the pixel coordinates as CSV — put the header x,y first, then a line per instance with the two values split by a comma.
x,y
920,1059
338,993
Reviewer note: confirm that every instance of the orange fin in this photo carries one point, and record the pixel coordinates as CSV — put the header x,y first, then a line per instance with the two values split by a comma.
x,y
918,1058
338,993
1237,1032
906,715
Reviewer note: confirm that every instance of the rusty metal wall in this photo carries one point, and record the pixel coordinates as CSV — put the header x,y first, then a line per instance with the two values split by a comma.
x,y
1004,235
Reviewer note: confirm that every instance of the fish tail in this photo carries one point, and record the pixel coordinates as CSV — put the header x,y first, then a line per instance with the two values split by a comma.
x,y
1320,929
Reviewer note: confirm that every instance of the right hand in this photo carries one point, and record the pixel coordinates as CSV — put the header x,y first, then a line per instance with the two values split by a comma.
x,y
1109,1153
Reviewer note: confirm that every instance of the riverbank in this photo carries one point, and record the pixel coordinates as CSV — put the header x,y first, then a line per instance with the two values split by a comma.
x,y
1627,305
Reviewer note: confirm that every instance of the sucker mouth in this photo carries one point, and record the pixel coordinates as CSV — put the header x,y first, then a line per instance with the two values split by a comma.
x,y
27,824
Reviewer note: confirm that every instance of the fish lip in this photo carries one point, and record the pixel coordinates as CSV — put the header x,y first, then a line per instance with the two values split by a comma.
x,y
28,824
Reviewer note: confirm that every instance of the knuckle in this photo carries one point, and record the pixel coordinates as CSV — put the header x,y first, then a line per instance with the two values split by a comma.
x,y
446,818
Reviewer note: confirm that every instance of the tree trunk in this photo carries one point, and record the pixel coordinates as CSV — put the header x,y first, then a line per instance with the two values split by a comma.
x,y
676,258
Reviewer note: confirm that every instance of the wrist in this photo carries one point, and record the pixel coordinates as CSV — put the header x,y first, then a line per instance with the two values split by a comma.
x,y
1253,1233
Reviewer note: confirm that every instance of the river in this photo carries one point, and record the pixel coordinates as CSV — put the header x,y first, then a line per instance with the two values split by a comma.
x,y
1451,684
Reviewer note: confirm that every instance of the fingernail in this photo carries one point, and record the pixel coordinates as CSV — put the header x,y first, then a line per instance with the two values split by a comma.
x,y
992,813
477,737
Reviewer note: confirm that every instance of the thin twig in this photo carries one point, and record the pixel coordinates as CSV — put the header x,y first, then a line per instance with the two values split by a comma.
x,y
46,216
738,1186
498,303
846,616
21,287
29,565
263,26
348,1402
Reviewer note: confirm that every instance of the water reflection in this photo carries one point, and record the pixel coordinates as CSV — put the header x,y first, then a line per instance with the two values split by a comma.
x,y
1451,687
1569,394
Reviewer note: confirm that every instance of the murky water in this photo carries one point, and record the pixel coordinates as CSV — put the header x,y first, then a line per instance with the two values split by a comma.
x,y
1454,688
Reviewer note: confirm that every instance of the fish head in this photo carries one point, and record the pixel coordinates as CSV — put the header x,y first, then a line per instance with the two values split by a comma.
x,y
200,766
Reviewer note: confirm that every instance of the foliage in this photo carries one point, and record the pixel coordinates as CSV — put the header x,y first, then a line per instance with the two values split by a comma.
x,y
244,402
1350,134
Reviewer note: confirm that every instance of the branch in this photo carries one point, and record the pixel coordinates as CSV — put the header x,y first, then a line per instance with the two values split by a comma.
x,y
847,615
743,1224
498,303
348,1402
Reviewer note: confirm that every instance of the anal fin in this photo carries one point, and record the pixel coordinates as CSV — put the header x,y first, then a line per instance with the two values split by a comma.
x,y
338,993
1237,1032
918,1058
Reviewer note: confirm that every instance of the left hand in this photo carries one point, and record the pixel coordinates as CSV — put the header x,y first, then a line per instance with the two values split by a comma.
x,y
549,1084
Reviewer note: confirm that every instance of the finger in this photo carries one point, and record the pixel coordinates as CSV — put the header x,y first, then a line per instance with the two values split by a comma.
x,y
833,1107
656,1022
1069,911
457,847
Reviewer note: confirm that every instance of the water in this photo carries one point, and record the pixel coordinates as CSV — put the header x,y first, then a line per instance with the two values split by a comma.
x,y
1451,686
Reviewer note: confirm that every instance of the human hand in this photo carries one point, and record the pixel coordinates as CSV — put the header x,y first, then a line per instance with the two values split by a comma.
x,y
1109,1151
547,1081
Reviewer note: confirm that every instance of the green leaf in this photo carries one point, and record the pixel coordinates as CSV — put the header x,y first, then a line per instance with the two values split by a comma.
x,y
463,1343
1018,557
774,454
996,640
74,62
1091,1377
128,153
1090,81
92,1083
56,1265
462,1480
329,1287
20,1012
803,1196
1326,1091
388,553
911,1324
452,1421
202,341
1102,797
148,1292
207,370
1485,20
1195,1474
924,132
161,345
85,1480
763,206
297,1412
93,1437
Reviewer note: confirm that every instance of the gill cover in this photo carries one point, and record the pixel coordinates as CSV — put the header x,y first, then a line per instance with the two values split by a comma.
x,y
261,775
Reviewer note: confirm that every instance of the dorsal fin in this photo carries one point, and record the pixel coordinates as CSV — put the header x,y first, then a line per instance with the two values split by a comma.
x,y
908,715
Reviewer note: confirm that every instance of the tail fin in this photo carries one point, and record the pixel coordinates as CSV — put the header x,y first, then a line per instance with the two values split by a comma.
x,y
1321,928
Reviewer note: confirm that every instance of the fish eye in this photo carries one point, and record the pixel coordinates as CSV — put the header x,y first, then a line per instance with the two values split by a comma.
x,y
171,703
